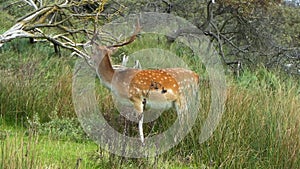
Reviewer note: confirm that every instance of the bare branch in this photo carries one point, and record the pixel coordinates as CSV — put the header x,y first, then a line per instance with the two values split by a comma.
x,y
31,3
57,24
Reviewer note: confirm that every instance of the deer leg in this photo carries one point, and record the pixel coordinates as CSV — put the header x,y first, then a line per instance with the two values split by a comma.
x,y
139,106
141,120
141,128
180,106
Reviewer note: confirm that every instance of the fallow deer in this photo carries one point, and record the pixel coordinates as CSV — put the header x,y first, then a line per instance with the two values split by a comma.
x,y
158,87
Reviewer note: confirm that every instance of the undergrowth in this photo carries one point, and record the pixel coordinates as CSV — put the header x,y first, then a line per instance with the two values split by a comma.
x,y
39,127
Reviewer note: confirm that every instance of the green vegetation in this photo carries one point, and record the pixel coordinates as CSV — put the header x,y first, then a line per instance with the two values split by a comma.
x,y
39,128
259,129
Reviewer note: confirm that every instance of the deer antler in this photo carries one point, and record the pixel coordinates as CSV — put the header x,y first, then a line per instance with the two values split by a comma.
x,y
131,39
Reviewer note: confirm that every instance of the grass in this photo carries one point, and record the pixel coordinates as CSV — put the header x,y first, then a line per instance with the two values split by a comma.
x,y
259,129
28,150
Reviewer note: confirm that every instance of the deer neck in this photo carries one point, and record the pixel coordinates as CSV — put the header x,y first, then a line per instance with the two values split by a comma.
x,y
105,71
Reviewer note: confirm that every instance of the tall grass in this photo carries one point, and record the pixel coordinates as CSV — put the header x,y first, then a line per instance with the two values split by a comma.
x,y
27,149
259,129
34,84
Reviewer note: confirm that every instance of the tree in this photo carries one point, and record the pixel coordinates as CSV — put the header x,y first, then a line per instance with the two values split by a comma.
x,y
248,32
245,31
65,24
